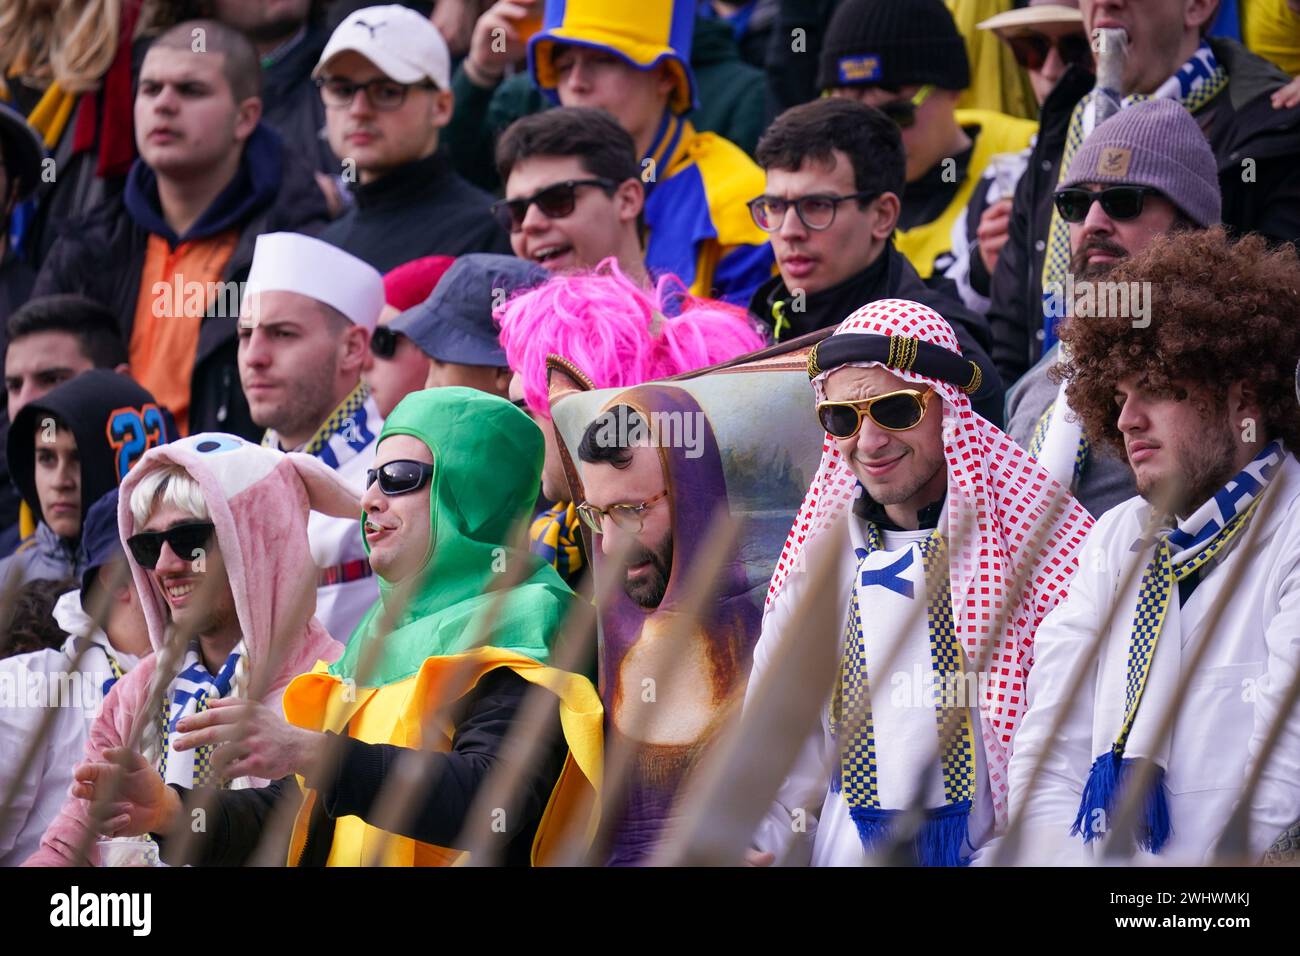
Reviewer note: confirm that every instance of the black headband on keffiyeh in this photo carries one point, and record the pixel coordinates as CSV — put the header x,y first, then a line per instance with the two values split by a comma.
x,y
903,353
999,502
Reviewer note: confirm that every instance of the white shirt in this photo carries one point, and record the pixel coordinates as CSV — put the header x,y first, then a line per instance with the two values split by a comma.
x,y
1223,719
333,541
336,541
29,685
808,823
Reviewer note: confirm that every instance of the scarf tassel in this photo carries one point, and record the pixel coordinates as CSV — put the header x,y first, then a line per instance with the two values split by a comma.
x,y
942,838
1105,780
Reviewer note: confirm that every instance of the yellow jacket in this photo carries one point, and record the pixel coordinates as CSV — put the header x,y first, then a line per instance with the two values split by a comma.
x,y
998,133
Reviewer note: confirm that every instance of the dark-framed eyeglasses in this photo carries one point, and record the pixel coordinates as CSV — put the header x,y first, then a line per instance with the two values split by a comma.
x,y
894,412
187,542
400,477
631,518
1118,202
555,201
383,342
1032,48
816,212
382,93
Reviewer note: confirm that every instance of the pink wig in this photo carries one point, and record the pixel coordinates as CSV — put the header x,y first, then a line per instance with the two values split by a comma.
x,y
616,331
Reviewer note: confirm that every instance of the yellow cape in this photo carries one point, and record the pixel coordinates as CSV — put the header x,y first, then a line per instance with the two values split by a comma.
x,y
397,713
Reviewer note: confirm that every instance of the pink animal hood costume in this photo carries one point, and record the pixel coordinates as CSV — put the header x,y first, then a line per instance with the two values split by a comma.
x,y
258,499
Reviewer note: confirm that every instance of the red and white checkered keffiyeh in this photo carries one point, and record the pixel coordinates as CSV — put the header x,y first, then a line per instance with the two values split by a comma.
x,y
995,488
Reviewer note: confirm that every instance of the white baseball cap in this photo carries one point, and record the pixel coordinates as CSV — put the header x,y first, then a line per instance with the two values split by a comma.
x,y
290,262
405,45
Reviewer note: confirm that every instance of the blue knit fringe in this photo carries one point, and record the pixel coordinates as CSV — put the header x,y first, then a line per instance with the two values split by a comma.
x,y
1105,780
942,841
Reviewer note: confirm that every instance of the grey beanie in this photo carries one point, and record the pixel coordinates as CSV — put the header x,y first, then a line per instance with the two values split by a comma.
x,y
1154,143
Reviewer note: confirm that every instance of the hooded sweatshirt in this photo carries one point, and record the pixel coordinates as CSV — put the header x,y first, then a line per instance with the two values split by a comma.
x,y
103,255
47,680
165,340
258,500
80,697
114,422
487,465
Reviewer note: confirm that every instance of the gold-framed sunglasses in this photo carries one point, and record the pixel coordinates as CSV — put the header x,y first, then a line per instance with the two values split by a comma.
x,y
894,412
631,518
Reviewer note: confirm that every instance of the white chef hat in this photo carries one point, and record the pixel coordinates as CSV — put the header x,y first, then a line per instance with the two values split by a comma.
x,y
292,262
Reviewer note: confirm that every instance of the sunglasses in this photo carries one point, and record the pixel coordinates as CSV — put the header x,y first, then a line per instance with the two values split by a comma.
x,y
630,518
1118,202
555,202
815,212
186,541
893,411
383,342
400,477
903,112
1031,49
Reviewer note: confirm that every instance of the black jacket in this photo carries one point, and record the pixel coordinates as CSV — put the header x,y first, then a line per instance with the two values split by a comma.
x,y
1240,123
101,256
16,279
421,209
482,720
291,103
792,58
891,276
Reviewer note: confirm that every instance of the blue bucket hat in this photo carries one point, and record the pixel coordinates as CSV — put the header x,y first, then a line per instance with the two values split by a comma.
x,y
455,324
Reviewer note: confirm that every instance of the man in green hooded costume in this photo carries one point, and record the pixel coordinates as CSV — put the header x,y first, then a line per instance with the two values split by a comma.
x,y
455,471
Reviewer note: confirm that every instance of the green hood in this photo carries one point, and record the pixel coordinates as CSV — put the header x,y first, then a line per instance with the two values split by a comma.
x,y
487,460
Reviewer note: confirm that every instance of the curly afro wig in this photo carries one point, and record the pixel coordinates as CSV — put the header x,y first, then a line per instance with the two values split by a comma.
x,y
1221,312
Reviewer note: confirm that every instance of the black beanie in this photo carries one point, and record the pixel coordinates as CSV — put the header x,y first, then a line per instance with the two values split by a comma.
x,y
893,43
113,419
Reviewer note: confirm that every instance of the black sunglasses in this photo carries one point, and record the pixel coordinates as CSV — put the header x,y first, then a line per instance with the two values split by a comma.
x,y
555,202
400,477
903,111
1118,202
383,342
186,541
1032,49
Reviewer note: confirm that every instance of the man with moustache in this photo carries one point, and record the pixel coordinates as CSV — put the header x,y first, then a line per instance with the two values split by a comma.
x,y
1201,404
602,329
656,494
923,501
1145,172
1229,92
